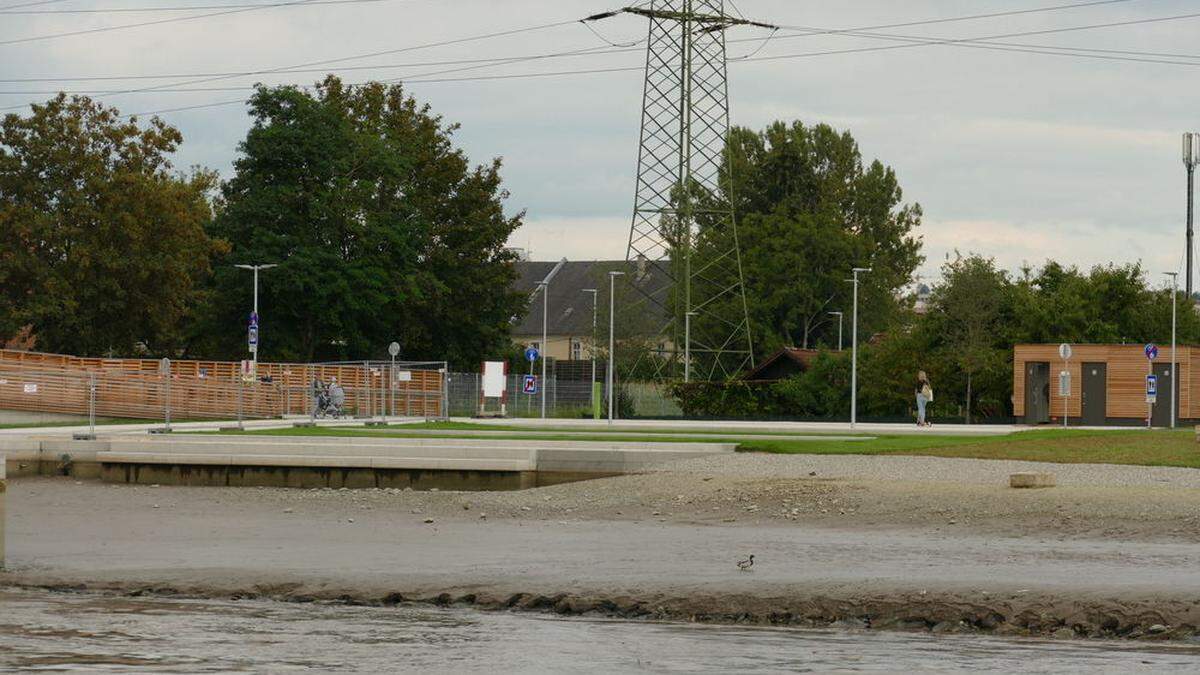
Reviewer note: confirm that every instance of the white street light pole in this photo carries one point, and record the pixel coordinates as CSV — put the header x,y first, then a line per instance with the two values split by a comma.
x,y
258,340
592,384
854,351
1174,295
687,346
545,287
839,315
612,306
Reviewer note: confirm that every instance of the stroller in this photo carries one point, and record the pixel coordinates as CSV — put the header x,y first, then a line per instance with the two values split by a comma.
x,y
330,400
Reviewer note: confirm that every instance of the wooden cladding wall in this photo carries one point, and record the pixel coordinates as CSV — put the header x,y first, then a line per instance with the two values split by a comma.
x,y
205,389
1126,378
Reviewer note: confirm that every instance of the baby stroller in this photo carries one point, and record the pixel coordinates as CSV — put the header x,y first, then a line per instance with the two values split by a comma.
x,y
330,400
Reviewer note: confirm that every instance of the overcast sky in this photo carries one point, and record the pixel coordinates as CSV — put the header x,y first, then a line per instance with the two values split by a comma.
x,y
1019,156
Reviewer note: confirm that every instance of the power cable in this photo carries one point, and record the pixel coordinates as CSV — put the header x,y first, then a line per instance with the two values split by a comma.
x,y
959,41
31,4
808,32
268,71
185,8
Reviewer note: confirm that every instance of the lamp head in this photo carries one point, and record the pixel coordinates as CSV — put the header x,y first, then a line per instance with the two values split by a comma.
x,y
616,274
1191,149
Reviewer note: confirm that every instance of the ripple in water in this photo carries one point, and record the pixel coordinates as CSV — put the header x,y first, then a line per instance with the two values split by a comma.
x,y
92,632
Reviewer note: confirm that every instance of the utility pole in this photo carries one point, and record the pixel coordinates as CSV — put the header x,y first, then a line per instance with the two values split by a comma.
x,y
612,354
1191,156
1174,295
255,343
682,153
592,384
839,315
854,351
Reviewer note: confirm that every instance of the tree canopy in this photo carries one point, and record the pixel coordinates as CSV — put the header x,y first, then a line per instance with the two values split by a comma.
x,y
809,210
381,228
102,244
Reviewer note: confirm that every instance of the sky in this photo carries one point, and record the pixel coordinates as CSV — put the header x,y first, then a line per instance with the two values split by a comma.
x,y
1018,156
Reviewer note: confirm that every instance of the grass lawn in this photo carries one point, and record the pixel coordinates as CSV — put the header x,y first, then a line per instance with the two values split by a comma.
x,y
1148,448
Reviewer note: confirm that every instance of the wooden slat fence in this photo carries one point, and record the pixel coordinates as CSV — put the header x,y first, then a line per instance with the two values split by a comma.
x,y
136,388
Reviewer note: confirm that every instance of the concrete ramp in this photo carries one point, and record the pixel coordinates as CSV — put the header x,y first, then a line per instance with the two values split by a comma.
x,y
332,461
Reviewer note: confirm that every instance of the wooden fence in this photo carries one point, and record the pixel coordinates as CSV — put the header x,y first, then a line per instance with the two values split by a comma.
x,y
140,388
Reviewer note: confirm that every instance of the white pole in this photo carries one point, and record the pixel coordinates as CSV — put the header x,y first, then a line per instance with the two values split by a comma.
x,y
1174,295
592,383
612,304
687,347
256,341
545,345
854,352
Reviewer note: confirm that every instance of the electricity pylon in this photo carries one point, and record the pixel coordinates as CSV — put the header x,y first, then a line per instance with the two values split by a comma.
x,y
683,219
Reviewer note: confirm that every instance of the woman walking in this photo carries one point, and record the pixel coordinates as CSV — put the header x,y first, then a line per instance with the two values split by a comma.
x,y
924,393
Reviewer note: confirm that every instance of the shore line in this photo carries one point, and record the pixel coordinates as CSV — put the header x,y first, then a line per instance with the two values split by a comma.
x,y
1027,614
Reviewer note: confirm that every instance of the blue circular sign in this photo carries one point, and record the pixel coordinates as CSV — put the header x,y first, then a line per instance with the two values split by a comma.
x,y
531,354
1151,352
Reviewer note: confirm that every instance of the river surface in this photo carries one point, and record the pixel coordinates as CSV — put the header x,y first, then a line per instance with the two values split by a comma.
x,y
41,631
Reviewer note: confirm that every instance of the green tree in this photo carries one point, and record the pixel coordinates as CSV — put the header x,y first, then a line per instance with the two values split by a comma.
x,y
809,210
102,245
968,310
381,228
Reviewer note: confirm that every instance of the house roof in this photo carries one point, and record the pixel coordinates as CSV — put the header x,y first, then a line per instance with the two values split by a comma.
x,y
788,355
571,308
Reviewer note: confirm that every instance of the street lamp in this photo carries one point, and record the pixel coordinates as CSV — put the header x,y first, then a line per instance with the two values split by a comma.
x,y
254,316
1191,157
592,384
1174,294
612,306
687,346
544,287
839,315
854,350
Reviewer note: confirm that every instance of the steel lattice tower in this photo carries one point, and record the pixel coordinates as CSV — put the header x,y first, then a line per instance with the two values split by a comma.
x,y
683,219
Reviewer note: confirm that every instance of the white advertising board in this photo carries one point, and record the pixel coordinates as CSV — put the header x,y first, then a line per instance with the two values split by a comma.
x,y
495,382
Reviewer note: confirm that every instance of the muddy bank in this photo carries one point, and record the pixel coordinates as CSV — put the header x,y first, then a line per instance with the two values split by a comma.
x,y
941,612
1098,559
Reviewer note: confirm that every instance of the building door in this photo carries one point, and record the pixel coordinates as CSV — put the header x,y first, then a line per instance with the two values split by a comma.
x,y
1161,416
1095,392
1037,392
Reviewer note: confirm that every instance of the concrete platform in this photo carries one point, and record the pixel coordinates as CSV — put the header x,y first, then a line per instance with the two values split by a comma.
x,y
449,463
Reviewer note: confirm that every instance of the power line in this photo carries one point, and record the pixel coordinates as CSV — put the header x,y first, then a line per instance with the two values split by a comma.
x,y
187,8
398,50
807,32
142,24
957,41
31,4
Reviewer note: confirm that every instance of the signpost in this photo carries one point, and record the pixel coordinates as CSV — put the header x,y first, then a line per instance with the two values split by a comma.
x,y
531,355
1064,380
393,351
1151,352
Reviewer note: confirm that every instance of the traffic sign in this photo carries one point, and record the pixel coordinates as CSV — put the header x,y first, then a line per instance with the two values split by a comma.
x,y
1151,351
394,349
1151,388
252,336
254,319
532,354
1064,351
530,385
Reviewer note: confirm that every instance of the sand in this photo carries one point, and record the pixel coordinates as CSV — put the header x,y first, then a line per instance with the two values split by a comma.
x,y
902,543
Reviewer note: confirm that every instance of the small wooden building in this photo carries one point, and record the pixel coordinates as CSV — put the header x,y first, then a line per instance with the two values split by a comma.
x,y
1108,385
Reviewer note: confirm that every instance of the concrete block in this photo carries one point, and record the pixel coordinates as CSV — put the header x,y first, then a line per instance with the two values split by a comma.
x,y
1031,479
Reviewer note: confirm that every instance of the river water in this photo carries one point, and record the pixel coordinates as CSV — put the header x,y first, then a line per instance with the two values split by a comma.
x,y
41,631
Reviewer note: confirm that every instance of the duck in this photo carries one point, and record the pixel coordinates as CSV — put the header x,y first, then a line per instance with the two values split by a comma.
x,y
745,565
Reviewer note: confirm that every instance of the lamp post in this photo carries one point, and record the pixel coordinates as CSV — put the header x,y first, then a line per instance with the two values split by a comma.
x,y
544,287
854,350
1174,294
592,384
839,315
255,269
687,346
1191,157
612,306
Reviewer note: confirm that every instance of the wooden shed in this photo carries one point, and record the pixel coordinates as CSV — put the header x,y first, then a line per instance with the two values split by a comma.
x,y
1108,385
